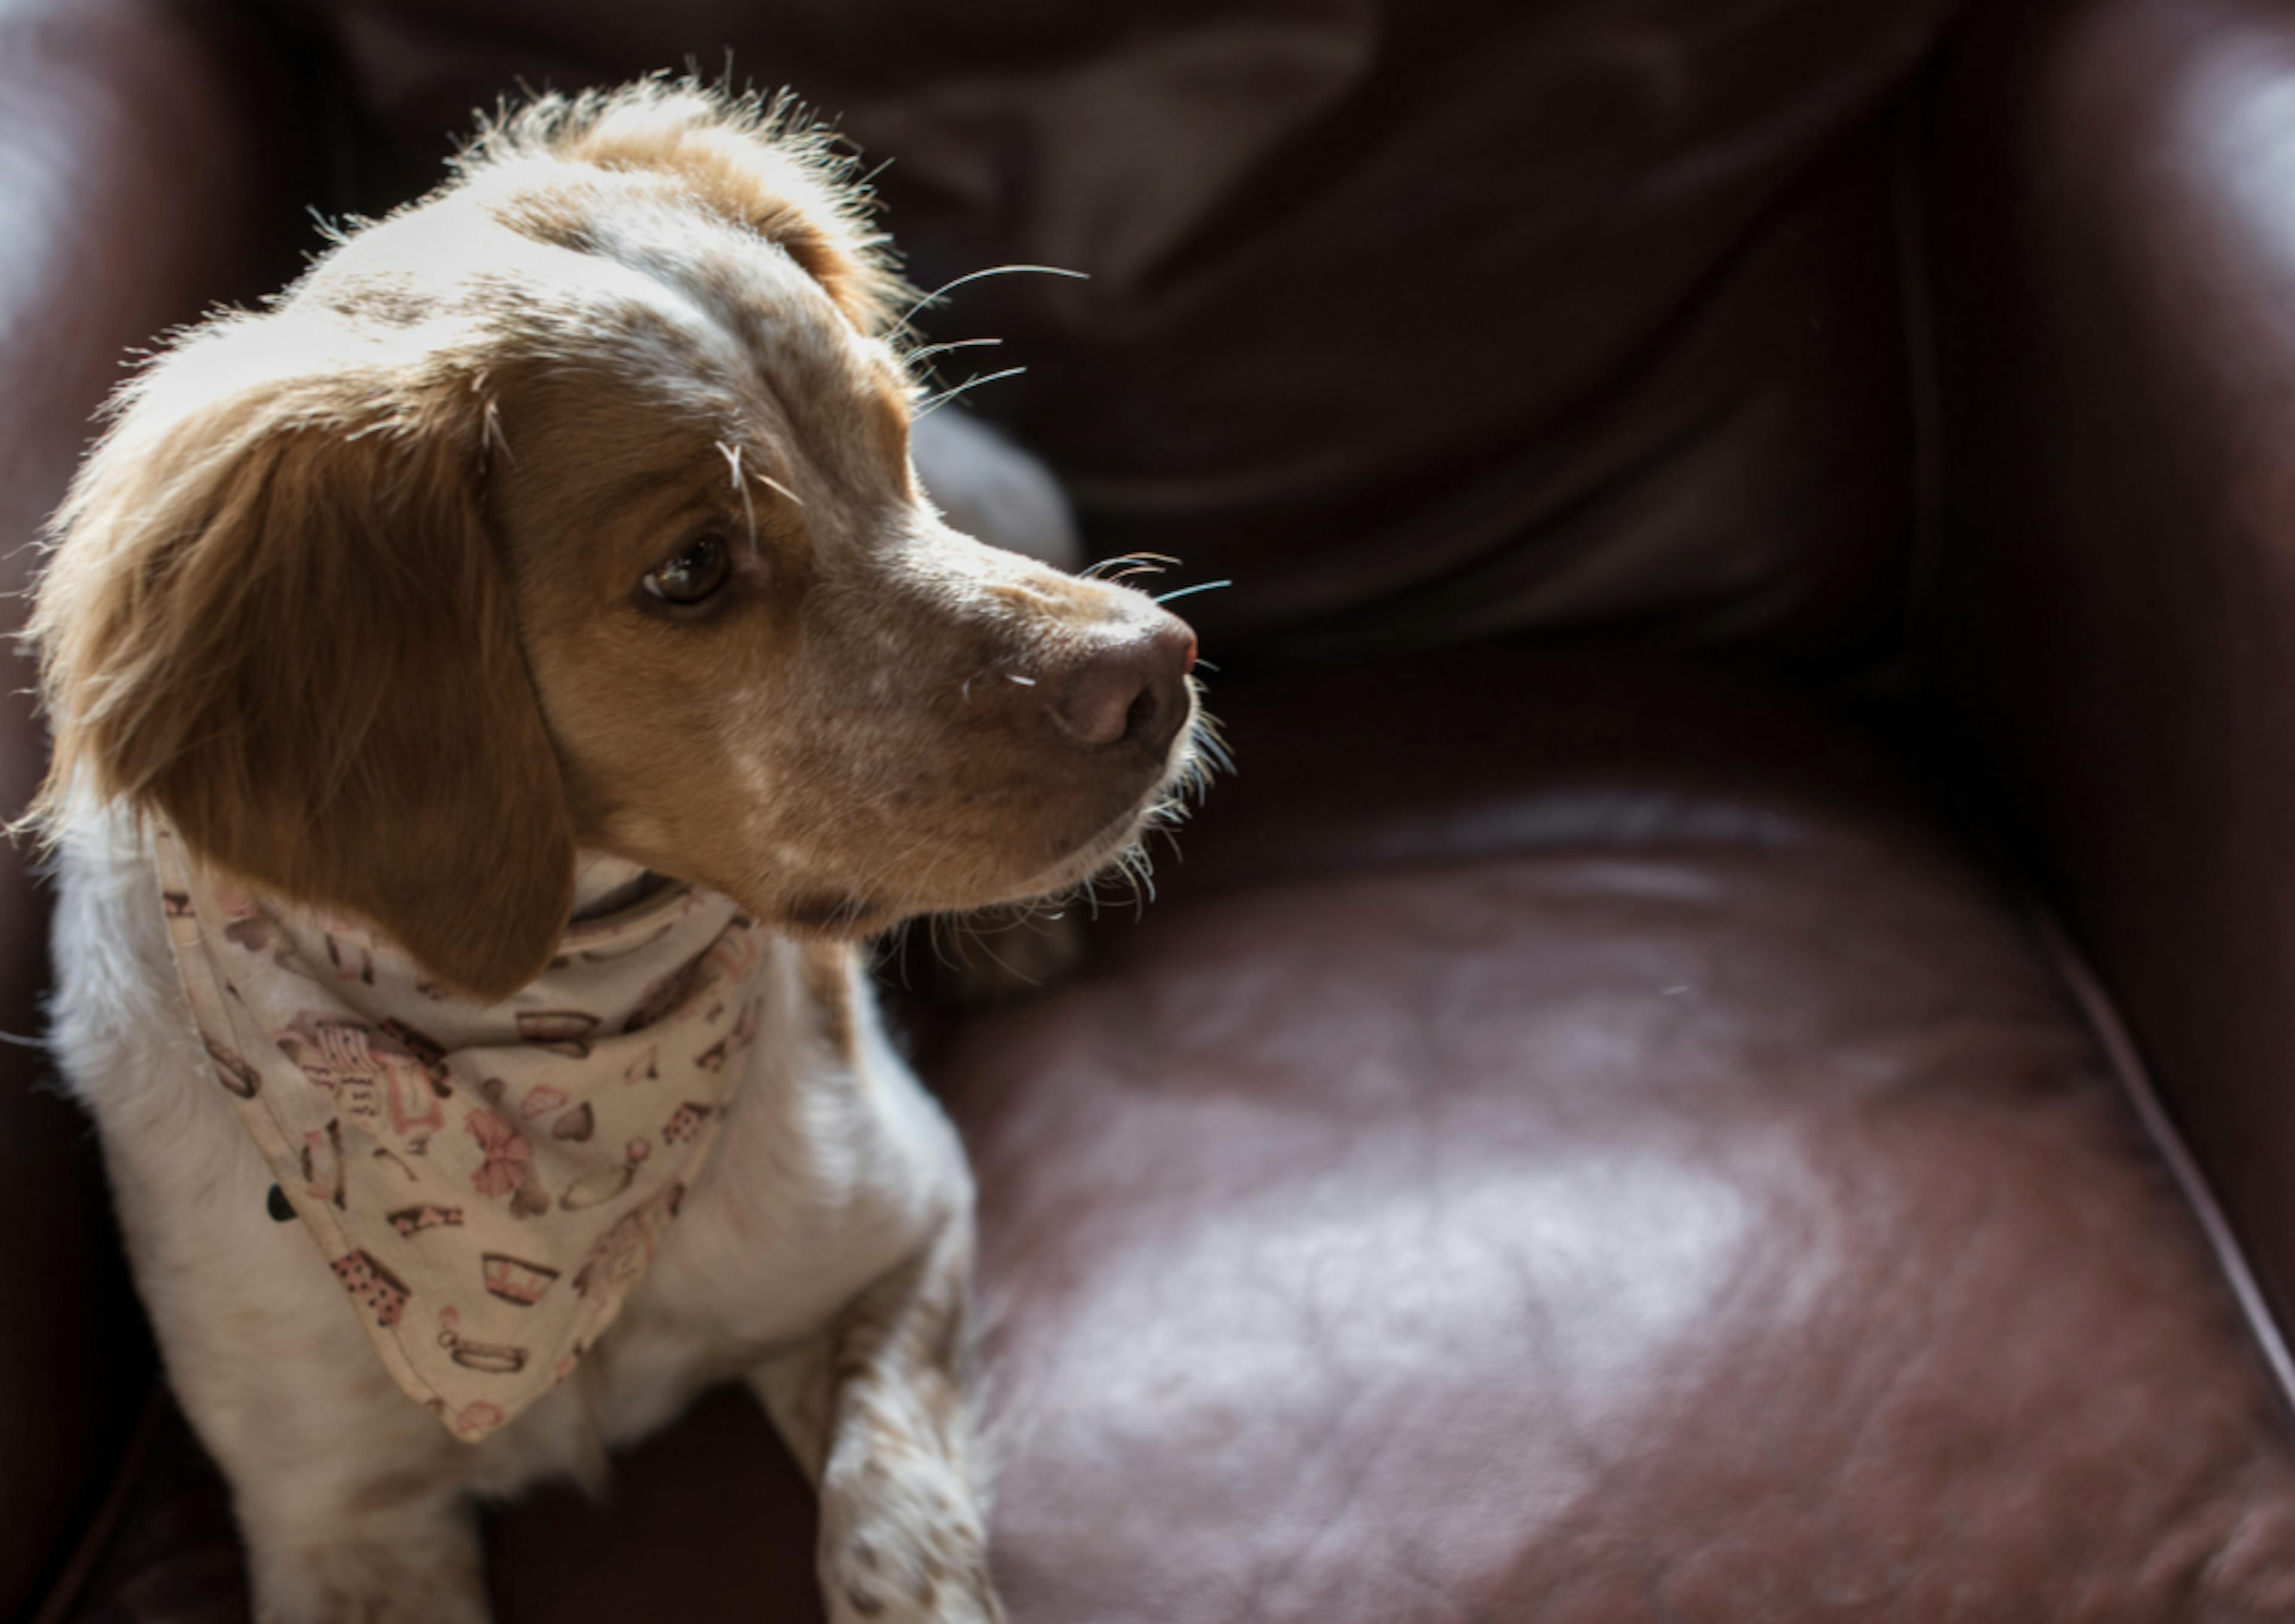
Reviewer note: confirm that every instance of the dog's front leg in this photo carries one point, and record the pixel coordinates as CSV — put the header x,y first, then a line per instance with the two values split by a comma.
x,y
351,1499
874,1409
363,1561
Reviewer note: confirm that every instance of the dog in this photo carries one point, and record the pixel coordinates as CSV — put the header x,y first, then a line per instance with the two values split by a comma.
x,y
497,690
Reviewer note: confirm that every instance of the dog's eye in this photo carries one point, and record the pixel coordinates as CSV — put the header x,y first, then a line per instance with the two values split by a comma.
x,y
694,574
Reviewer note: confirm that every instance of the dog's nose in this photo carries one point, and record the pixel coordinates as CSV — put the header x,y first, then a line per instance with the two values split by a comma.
x,y
1132,691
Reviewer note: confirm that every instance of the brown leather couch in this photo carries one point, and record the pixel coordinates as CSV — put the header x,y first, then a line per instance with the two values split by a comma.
x,y
1763,658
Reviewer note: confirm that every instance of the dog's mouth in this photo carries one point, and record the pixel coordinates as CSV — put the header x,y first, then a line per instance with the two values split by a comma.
x,y
1117,846
1120,844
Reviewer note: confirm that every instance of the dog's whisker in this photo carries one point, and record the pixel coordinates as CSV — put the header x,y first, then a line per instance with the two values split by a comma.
x,y
946,396
935,926
980,940
732,455
1094,570
779,489
923,350
1014,676
1188,591
947,288
1207,740
893,952
1140,867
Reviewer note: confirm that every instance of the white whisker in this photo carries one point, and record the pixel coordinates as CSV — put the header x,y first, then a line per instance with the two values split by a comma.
x,y
778,488
946,396
1094,571
921,351
949,287
732,455
1201,586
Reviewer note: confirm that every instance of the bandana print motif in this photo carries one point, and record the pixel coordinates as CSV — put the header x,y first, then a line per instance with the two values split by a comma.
x,y
489,1184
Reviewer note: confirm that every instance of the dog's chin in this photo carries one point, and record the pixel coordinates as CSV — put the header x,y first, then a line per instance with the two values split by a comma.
x,y
836,916
1087,861
1182,777
842,916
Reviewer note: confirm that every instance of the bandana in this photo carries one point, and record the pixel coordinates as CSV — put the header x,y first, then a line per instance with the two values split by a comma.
x,y
489,1183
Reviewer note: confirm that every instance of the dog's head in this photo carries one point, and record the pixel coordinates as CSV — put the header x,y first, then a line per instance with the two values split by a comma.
x,y
571,507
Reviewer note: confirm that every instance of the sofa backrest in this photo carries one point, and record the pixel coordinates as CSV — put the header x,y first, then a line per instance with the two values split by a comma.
x,y
1420,322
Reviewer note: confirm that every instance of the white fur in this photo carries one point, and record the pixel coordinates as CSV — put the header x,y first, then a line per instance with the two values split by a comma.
x,y
829,1176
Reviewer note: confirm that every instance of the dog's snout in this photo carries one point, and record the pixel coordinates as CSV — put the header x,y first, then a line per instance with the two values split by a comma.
x,y
1132,691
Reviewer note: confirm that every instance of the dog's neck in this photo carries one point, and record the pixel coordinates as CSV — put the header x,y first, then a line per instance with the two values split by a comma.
x,y
488,1181
604,884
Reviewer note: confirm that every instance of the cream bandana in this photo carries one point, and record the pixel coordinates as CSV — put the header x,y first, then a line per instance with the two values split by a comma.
x,y
488,1183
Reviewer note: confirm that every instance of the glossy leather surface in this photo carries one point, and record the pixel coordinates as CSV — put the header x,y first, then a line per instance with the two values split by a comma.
x,y
1677,1189
2117,261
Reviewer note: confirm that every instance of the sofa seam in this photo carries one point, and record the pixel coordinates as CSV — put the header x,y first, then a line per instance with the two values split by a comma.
x,y
2085,988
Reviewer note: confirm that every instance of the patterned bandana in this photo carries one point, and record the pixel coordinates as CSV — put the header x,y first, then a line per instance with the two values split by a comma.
x,y
488,1183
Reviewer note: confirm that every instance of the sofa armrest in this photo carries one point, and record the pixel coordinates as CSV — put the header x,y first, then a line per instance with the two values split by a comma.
x,y
139,174
2114,188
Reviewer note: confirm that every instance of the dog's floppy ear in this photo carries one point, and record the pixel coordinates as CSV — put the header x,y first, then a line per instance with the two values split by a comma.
x,y
274,614
760,160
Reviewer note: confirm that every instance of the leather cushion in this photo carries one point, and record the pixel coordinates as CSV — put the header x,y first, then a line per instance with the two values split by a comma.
x,y
1659,1179
1573,1141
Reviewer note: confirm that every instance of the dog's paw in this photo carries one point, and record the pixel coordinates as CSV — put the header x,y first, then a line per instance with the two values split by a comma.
x,y
991,489
901,1543
347,1580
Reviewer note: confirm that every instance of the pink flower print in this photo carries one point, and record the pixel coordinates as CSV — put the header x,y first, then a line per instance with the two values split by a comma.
x,y
506,1154
541,1101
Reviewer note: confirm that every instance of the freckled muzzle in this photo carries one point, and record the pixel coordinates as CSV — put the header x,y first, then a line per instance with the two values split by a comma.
x,y
1046,716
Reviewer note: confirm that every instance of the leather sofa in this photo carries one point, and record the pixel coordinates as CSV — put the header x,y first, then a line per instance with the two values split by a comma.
x,y
1726,1055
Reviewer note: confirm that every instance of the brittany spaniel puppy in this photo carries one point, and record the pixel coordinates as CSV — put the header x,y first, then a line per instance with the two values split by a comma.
x,y
496,689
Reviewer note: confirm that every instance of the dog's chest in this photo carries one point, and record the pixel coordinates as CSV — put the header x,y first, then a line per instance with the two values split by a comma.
x,y
831,1165
687,1143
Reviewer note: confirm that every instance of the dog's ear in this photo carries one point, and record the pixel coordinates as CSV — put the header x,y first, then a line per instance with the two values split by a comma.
x,y
274,614
759,160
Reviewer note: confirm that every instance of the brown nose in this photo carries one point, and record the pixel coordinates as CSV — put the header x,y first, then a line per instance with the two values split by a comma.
x,y
1130,691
